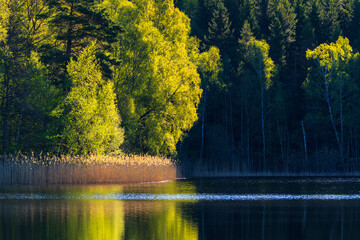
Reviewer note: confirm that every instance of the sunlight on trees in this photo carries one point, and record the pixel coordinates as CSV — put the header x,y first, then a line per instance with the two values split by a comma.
x,y
91,120
157,83
258,56
328,79
4,15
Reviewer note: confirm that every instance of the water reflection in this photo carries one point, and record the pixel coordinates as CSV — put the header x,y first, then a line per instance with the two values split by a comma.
x,y
274,213
279,222
57,218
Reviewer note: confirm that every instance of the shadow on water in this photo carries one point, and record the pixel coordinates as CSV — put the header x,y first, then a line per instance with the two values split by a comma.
x,y
224,208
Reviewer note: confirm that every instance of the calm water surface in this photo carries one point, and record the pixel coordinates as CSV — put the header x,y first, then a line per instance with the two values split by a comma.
x,y
223,208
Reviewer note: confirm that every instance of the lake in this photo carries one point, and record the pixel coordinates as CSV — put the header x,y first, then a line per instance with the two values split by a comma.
x,y
218,208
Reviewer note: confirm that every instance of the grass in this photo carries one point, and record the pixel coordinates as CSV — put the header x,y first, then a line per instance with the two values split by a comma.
x,y
41,170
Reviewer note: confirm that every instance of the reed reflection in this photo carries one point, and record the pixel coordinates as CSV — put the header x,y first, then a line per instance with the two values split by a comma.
x,y
94,219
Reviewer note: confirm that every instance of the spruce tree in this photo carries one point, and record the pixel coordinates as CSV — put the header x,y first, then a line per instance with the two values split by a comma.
x,y
220,32
282,29
353,35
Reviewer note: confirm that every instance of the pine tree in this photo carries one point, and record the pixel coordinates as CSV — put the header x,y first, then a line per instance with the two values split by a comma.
x,y
76,22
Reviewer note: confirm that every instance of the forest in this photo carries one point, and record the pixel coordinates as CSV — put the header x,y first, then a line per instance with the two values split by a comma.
x,y
251,85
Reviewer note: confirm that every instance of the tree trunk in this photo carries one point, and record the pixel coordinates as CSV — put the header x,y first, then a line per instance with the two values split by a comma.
x,y
305,147
327,96
263,127
342,127
231,125
203,127
281,143
5,109
69,33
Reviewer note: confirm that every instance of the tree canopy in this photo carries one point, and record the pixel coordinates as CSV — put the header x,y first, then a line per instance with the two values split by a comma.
x,y
91,119
243,84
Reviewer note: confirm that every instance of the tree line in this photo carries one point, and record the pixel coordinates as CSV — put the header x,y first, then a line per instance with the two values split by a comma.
x,y
253,84
98,77
288,85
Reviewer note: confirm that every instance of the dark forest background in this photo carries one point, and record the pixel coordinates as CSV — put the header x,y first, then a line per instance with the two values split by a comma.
x,y
232,110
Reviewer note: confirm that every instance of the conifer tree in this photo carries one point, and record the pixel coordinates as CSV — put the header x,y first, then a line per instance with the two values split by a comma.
x,y
220,32
282,29
353,35
76,22
249,11
245,35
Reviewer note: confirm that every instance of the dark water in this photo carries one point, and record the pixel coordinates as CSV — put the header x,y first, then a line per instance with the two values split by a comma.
x,y
224,208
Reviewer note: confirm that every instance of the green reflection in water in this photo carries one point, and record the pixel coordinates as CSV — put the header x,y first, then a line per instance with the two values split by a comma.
x,y
95,219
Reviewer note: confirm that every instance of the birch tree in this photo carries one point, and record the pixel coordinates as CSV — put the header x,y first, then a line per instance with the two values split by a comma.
x,y
258,56
327,79
91,119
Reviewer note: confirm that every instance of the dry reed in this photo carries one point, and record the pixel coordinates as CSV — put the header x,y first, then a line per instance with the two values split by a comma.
x,y
40,170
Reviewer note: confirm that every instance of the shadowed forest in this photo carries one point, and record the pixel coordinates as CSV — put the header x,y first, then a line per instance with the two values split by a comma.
x,y
242,85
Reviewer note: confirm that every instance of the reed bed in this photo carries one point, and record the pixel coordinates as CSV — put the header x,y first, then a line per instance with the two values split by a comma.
x,y
43,170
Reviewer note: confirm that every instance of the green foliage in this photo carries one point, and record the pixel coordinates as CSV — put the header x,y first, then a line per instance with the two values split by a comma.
x,y
36,126
76,23
4,15
282,29
92,122
157,84
258,56
209,66
156,68
330,81
330,57
220,32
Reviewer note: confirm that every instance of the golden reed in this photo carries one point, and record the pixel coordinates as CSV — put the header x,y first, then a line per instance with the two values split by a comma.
x,y
41,170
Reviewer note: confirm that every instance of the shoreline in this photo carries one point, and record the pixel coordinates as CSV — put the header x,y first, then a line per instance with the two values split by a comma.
x,y
271,174
44,170
126,169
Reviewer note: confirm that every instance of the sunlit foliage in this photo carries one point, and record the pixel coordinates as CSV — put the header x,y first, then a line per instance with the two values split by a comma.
x,y
4,15
330,80
91,119
157,84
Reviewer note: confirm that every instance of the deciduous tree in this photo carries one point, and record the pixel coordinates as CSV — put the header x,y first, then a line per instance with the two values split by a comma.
x,y
89,113
258,56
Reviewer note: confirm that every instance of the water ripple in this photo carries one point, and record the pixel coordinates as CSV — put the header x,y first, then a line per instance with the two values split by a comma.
x,y
179,197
